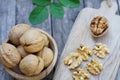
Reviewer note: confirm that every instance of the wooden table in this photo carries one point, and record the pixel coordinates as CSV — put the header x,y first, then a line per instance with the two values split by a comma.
x,y
13,12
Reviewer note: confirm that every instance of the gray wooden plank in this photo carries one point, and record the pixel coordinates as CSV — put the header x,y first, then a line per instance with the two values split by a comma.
x,y
7,20
23,9
7,17
118,75
118,2
92,3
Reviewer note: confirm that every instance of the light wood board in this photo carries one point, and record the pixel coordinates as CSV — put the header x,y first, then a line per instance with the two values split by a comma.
x,y
80,34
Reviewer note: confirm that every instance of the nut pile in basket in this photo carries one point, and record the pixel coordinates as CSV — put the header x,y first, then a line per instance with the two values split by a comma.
x,y
27,48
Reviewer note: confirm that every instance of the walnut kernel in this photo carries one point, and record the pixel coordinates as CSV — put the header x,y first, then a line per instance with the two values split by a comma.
x,y
73,60
84,51
80,74
94,67
100,50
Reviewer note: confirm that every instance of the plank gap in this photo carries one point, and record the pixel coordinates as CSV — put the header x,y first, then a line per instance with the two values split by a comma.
x,y
118,2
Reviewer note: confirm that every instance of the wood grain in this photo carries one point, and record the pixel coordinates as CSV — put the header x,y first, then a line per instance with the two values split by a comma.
x,y
7,17
92,3
118,2
7,20
81,34
118,74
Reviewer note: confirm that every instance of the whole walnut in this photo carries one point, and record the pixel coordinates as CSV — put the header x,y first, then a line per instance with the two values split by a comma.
x,y
47,55
31,65
9,55
45,37
16,32
22,52
32,41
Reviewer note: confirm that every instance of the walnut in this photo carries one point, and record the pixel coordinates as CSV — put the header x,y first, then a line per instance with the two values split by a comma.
x,y
31,65
22,52
94,67
80,74
73,60
84,51
44,36
100,50
32,41
16,32
9,55
47,55
98,26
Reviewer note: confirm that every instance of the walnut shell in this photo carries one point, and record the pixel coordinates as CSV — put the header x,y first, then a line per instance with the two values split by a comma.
x,y
47,55
31,65
99,26
32,41
10,57
22,52
45,37
16,32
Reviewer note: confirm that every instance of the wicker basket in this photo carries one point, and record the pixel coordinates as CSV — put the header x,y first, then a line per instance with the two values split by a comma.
x,y
46,71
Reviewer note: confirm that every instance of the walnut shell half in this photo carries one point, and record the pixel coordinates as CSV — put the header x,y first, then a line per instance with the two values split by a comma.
x,y
31,65
9,55
99,26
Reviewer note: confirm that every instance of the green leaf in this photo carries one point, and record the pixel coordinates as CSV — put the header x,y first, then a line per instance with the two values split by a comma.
x,y
56,10
41,2
70,3
38,15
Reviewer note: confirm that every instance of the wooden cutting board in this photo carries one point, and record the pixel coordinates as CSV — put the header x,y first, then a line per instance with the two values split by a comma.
x,y
80,34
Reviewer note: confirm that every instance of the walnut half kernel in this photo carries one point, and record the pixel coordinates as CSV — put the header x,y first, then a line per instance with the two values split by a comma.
x,y
100,50
94,67
73,60
99,26
84,51
80,74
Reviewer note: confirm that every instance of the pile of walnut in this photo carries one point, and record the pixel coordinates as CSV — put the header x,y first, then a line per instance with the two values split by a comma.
x,y
73,60
28,48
